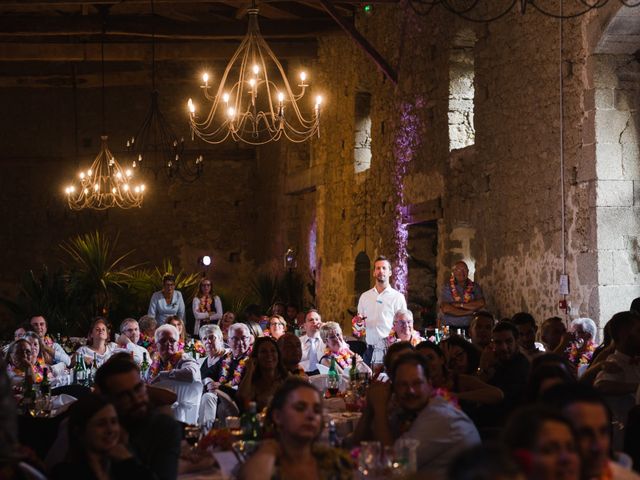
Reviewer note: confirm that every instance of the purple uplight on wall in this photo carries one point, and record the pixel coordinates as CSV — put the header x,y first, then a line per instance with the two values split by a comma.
x,y
313,237
407,143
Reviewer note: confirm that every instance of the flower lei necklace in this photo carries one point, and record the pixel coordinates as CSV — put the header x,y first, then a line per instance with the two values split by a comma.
x,y
468,290
48,341
583,358
343,358
414,339
359,329
237,373
158,365
37,369
205,304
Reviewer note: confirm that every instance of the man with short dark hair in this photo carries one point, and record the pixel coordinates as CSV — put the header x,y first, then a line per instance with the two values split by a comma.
x,y
154,437
527,329
480,329
376,308
312,345
39,325
442,429
505,367
129,338
587,411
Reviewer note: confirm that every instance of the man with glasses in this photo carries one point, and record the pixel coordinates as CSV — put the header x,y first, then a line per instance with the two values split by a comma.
x,y
154,436
233,363
129,338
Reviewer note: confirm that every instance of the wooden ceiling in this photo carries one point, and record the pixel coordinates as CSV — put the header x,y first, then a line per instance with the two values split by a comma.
x,y
45,42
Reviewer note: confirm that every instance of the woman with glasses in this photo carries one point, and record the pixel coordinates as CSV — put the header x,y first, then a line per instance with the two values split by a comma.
x,y
20,361
277,327
331,335
207,308
167,301
169,363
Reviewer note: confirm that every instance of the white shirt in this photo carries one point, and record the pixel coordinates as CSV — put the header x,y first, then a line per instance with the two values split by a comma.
x,y
379,308
86,351
306,348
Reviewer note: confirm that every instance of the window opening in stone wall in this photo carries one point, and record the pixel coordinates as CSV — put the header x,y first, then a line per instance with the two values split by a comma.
x,y
362,136
362,281
461,91
422,247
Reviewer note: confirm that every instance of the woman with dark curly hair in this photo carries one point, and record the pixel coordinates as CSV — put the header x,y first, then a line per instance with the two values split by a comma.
x,y
296,417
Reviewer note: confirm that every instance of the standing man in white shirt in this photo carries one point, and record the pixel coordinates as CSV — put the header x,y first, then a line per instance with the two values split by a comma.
x,y
376,309
312,345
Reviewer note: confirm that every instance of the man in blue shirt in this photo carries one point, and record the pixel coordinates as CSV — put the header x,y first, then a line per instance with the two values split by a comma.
x,y
460,298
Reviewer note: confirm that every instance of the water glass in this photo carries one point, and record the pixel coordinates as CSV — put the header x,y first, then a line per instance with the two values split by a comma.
x,y
369,460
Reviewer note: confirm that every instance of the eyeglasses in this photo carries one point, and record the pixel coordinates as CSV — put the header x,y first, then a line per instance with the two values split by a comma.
x,y
239,339
206,284
168,340
276,324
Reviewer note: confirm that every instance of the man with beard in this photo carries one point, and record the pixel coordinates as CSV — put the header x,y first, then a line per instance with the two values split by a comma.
x,y
505,367
154,437
376,309
442,429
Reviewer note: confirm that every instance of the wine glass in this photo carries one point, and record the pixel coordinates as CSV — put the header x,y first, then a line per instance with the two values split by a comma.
x,y
192,434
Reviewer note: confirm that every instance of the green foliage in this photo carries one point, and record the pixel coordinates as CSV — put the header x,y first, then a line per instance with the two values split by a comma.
x,y
47,294
266,288
95,272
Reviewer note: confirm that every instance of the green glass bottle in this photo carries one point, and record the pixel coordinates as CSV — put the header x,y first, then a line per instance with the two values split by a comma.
x,y
250,423
144,366
28,393
333,378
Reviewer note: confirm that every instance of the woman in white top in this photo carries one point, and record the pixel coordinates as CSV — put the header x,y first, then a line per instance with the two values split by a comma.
x,y
207,308
166,302
98,345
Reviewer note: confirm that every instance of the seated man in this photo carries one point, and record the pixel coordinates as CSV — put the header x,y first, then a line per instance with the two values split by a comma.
x,y
587,411
39,325
527,328
129,338
154,437
169,363
442,429
480,329
504,367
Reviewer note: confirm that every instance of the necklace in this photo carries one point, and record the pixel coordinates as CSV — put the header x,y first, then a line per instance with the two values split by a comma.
x,y
237,372
158,365
468,290
343,358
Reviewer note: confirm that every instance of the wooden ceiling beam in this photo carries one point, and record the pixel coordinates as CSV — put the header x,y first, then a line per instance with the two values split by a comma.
x,y
133,26
137,52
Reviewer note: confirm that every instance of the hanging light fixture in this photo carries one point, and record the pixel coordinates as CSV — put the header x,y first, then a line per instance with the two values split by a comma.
x,y
105,183
260,106
155,146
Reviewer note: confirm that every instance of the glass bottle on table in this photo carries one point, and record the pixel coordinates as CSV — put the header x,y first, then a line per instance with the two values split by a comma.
x,y
28,392
144,367
250,423
333,378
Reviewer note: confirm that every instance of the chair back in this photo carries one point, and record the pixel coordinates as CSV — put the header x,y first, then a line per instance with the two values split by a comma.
x,y
186,406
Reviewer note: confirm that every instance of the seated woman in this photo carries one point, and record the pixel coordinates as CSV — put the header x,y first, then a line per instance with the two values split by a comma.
x,y
295,415
467,388
186,342
21,359
402,330
277,327
169,363
462,357
96,446
263,375
331,335
582,343
226,321
211,363
207,308
544,444
98,346
291,352
148,327
234,362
